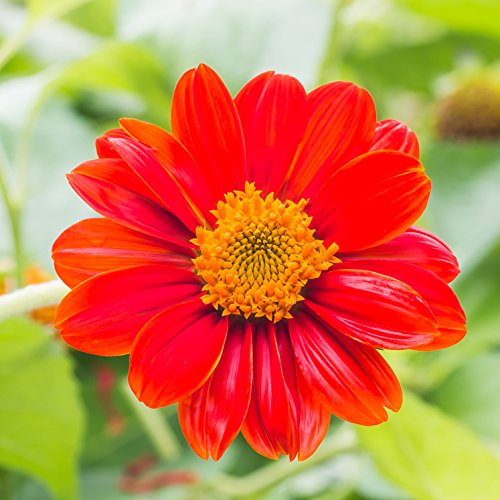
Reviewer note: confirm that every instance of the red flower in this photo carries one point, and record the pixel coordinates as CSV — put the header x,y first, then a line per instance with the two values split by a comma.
x,y
253,261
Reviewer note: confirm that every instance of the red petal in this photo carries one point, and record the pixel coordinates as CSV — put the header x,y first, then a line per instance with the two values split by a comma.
x,y
93,246
103,314
437,294
352,380
396,136
314,419
115,170
111,189
341,122
273,115
371,200
415,246
268,427
309,418
142,161
378,371
205,120
176,352
212,416
377,310
104,148
176,160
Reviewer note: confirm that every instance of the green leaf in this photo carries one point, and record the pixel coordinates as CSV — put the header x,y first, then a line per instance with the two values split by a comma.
x,y
431,455
479,380
19,340
477,17
40,415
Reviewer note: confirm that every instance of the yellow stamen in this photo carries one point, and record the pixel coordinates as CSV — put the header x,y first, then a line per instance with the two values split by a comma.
x,y
260,255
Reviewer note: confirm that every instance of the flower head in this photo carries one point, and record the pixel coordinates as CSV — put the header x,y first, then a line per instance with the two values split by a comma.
x,y
254,261
457,117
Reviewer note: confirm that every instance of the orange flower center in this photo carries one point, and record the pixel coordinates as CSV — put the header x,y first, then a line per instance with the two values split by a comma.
x,y
260,255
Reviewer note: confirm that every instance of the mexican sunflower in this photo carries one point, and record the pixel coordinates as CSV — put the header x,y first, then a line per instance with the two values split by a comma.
x,y
254,261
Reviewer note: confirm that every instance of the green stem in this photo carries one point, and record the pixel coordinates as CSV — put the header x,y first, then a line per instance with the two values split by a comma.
x,y
330,68
156,427
13,208
31,297
14,198
12,44
17,242
263,479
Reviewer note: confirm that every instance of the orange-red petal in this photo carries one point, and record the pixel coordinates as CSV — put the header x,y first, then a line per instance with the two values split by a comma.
x,y
268,427
310,419
212,416
440,298
352,380
284,416
372,199
206,122
104,314
340,126
114,191
273,115
141,160
93,246
176,352
396,136
415,246
103,146
177,161
372,308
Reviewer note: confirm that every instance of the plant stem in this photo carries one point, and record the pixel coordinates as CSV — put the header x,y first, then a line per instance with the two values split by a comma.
x,y
31,297
17,241
156,427
270,475
13,208
330,68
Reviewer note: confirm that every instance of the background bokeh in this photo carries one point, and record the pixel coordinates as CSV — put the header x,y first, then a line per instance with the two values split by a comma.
x,y
70,68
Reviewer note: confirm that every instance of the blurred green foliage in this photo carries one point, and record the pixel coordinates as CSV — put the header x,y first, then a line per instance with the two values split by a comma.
x,y
431,456
70,68
41,418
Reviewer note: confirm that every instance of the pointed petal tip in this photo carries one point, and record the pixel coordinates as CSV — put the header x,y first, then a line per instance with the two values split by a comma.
x,y
397,403
125,119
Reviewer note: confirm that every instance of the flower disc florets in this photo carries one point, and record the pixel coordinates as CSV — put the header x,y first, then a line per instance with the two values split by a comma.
x,y
260,255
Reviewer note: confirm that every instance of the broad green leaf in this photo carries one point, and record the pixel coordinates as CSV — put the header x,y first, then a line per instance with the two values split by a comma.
x,y
478,17
432,456
40,415
20,340
471,394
